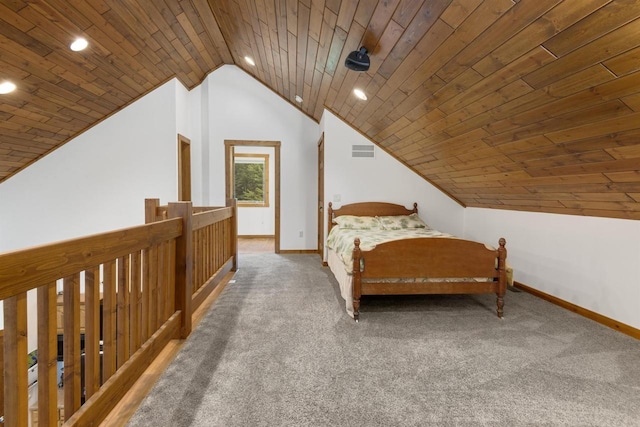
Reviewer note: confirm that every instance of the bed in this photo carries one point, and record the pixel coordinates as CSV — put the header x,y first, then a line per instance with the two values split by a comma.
x,y
376,248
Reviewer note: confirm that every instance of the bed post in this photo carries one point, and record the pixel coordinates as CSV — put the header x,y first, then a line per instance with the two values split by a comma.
x,y
415,207
502,279
330,218
357,284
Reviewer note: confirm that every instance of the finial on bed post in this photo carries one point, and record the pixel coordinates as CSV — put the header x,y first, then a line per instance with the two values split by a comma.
x,y
502,278
357,284
330,217
415,207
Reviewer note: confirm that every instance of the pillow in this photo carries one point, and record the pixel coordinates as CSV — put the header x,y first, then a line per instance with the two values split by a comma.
x,y
399,222
353,222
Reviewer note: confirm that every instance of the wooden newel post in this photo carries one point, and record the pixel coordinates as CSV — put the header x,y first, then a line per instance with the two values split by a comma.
x,y
233,203
150,210
184,264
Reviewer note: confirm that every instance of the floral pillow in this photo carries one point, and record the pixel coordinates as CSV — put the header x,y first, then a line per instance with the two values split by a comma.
x,y
353,222
399,222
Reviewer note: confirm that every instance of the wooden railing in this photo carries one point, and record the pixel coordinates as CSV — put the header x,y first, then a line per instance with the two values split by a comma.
x,y
213,243
139,293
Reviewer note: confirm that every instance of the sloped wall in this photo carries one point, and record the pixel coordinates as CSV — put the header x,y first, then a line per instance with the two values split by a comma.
x,y
97,181
591,262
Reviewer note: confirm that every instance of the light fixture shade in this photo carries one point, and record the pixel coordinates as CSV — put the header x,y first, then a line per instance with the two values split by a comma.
x,y
358,60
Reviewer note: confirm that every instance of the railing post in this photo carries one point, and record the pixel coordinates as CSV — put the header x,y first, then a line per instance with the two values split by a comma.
x,y
15,361
150,209
233,203
184,263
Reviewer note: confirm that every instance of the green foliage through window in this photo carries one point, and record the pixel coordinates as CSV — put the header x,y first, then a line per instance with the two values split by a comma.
x,y
251,182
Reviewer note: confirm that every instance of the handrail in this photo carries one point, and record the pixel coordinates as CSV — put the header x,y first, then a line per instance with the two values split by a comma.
x,y
26,269
139,293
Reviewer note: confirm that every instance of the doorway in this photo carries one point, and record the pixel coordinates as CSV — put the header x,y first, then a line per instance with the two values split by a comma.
x,y
230,188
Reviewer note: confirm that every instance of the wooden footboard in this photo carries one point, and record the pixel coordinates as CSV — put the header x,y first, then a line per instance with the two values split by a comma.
x,y
452,266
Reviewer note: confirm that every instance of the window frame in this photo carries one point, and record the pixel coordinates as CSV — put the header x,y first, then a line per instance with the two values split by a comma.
x,y
264,160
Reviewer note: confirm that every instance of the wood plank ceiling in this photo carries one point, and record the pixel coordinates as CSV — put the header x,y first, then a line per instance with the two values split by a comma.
x,y
512,104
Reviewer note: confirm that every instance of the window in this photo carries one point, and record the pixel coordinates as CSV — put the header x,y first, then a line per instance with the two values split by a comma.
x,y
251,179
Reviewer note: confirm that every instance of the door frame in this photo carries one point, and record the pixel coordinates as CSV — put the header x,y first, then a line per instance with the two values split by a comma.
x,y
229,150
184,168
321,197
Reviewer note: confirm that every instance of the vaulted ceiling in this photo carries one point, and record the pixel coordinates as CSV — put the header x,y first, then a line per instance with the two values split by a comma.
x,y
512,104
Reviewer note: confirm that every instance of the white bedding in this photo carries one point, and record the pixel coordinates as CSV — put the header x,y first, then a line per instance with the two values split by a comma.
x,y
344,278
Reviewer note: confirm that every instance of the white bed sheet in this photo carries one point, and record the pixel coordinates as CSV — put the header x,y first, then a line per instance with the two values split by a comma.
x,y
345,280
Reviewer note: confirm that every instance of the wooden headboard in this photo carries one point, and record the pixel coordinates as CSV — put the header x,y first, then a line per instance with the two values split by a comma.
x,y
369,209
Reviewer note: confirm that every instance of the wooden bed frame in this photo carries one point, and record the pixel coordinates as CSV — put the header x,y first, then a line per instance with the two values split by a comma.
x,y
423,257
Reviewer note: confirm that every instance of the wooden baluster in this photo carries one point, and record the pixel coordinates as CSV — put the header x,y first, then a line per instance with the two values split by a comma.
x,y
71,345
109,320
122,324
136,301
91,331
171,294
144,309
153,290
47,356
161,286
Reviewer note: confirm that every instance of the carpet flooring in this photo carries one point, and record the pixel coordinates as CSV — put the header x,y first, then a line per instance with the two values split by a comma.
x,y
278,349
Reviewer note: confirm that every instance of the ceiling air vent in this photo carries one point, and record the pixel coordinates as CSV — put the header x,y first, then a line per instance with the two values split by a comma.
x,y
362,151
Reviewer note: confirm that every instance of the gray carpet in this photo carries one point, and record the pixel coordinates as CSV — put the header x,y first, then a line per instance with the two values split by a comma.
x,y
277,349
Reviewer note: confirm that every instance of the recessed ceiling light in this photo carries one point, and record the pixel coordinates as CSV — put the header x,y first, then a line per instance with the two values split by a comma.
x,y
249,60
7,87
360,94
79,44
298,98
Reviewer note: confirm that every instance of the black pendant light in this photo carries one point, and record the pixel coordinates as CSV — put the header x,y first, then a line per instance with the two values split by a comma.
x,y
358,60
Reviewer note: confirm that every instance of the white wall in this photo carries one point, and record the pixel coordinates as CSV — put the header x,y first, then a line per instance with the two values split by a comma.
x,y
241,108
197,133
591,262
259,221
382,179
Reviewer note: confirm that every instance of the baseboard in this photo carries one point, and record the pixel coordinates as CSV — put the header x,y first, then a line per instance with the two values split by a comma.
x,y
603,320
298,251
256,236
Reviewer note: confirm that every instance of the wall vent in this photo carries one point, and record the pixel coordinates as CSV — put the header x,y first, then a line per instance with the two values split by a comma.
x,y
366,151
